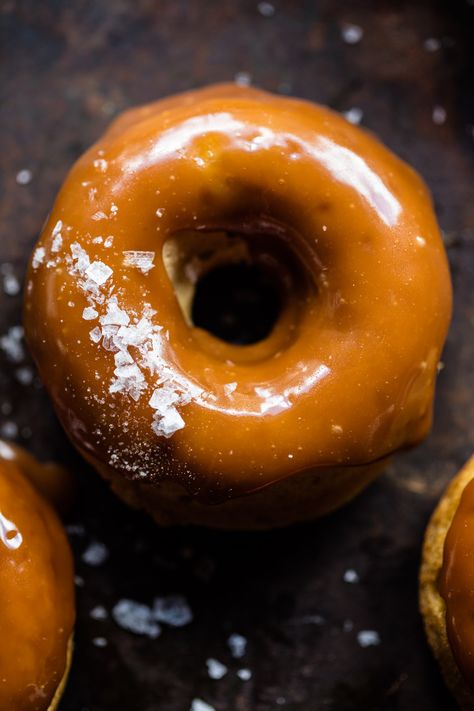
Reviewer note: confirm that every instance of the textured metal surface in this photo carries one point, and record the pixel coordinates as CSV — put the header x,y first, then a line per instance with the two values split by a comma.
x,y
66,69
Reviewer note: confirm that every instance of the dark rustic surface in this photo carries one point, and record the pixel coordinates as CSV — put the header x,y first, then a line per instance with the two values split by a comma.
x,y
67,67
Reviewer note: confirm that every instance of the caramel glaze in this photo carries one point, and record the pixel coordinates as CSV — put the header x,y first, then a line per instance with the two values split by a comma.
x,y
456,584
36,592
55,483
346,376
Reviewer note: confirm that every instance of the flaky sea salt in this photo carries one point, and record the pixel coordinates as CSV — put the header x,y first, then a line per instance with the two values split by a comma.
x,y
89,313
12,344
439,115
38,257
99,642
243,79
137,618
99,613
351,576
98,272
11,285
169,423
95,554
216,669
139,259
237,645
229,388
354,115
432,44
199,705
23,177
172,610
352,34
368,638
244,674
266,9
95,335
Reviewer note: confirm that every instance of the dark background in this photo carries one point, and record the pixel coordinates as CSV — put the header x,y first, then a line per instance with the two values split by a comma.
x,y
66,69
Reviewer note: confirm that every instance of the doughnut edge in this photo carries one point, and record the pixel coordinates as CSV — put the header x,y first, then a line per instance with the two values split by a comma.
x,y
432,606
62,684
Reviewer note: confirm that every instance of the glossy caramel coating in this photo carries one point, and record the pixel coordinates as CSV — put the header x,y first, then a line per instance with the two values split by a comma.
x,y
446,584
347,375
36,594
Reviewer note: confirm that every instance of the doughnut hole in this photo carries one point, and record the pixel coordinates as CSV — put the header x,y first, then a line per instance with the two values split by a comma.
x,y
238,288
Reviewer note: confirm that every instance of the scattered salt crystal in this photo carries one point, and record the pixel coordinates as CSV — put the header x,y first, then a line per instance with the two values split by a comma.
x,y
99,613
368,638
243,79
9,429
266,9
95,554
139,259
114,315
199,705
215,669
24,375
98,272
229,388
163,398
80,257
109,241
432,44
57,243
23,177
95,335
113,209
11,285
237,645
89,313
169,423
352,34
101,165
244,674
439,115
336,429
12,344
354,115
160,212
99,215
172,610
136,617
99,642
38,257
351,576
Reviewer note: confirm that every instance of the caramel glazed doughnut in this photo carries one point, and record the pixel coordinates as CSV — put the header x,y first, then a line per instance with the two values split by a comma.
x,y
446,585
176,418
36,589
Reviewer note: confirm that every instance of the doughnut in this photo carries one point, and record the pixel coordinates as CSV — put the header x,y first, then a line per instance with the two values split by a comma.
x,y
446,584
188,201
36,591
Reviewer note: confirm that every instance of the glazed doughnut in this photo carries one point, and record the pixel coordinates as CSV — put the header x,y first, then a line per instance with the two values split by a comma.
x,y
176,417
446,584
36,591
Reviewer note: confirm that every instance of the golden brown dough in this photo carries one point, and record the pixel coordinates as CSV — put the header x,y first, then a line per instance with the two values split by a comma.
x,y
432,605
